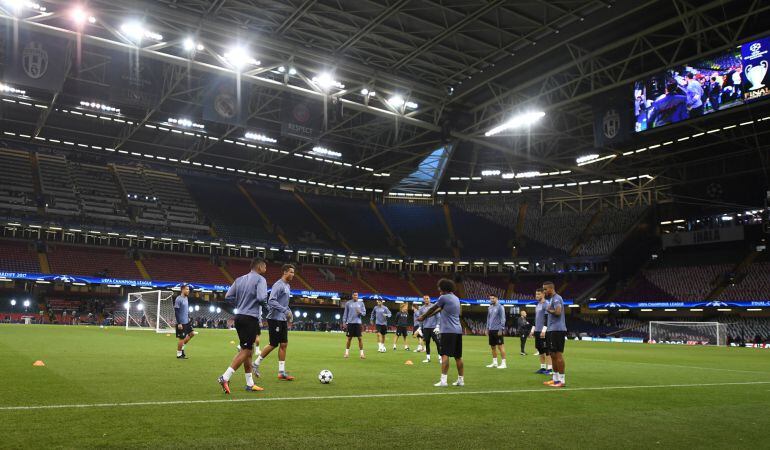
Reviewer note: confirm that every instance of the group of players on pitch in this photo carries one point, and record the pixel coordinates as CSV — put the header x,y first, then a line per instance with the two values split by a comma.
x,y
439,322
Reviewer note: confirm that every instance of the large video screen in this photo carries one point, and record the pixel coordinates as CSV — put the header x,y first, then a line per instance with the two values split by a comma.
x,y
723,81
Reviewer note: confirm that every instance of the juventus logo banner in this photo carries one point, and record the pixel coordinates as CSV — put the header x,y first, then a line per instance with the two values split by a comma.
x,y
135,81
35,60
224,102
612,118
301,117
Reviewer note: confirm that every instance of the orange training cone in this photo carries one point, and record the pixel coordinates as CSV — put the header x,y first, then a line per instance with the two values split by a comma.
x,y
409,362
38,363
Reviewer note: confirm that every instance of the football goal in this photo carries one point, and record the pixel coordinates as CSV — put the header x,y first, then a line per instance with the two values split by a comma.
x,y
150,310
703,333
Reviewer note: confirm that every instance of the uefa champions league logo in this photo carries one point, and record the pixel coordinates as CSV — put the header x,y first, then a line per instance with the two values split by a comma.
x,y
35,60
611,124
716,304
756,74
755,47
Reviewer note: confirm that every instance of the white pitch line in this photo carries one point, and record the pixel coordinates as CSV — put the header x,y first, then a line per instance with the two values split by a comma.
x,y
345,397
681,366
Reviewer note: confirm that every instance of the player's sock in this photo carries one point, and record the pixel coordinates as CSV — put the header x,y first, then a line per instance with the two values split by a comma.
x,y
461,379
555,377
281,366
259,360
178,353
228,373
550,367
542,366
259,352
561,378
249,379
494,361
183,346
443,378
427,357
362,352
347,351
502,362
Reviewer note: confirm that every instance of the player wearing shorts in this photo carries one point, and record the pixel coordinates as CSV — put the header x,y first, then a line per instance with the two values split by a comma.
x,y
451,332
184,330
416,330
402,321
555,333
351,317
541,316
430,328
496,330
380,315
249,293
279,317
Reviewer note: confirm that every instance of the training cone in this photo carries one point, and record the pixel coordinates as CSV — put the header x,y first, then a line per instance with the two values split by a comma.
x,y
409,362
38,363
232,342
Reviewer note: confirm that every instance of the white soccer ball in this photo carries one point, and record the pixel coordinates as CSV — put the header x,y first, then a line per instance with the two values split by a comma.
x,y
325,376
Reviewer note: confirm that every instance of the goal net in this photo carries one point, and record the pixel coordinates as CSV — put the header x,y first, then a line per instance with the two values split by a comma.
x,y
150,310
691,333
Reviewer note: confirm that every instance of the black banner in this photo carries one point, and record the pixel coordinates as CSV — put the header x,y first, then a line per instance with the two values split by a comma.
x,y
35,59
612,118
224,102
135,81
301,117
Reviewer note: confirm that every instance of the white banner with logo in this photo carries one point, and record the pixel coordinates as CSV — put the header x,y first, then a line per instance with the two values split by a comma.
x,y
703,236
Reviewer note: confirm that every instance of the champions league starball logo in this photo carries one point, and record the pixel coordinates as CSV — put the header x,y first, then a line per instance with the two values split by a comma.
x,y
226,105
35,60
611,124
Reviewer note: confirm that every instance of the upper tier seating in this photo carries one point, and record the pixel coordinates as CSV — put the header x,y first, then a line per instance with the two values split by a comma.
x,y
354,220
422,229
92,261
18,256
179,267
389,283
480,237
17,189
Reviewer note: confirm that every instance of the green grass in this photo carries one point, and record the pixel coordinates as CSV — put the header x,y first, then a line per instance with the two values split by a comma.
x,y
89,365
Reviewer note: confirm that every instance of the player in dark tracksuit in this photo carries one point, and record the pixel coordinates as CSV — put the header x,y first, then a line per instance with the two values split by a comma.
x,y
402,322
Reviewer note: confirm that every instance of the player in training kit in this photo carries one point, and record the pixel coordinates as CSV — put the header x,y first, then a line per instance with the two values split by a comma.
x,y
278,318
354,311
402,321
184,331
380,315
496,330
541,315
430,328
249,292
451,332
555,333
416,331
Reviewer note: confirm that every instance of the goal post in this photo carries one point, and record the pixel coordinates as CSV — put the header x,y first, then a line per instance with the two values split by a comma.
x,y
150,310
702,333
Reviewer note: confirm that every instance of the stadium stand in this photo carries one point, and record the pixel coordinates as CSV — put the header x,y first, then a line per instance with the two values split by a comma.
x,y
608,230
92,261
475,288
389,283
57,186
422,229
333,279
494,241
17,189
18,256
100,197
556,229
182,268
354,220
752,284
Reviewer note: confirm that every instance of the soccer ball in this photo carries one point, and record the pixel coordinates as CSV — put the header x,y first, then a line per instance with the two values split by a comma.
x,y
325,376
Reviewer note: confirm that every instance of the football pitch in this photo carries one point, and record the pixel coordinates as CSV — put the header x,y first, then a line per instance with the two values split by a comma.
x,y
113,388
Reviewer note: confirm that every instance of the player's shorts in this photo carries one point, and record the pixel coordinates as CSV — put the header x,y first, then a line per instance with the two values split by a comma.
x,y
382,329
401,331
354,330
279,332
540,344
555,341
186,330
247,328
495,338
414,329
451,345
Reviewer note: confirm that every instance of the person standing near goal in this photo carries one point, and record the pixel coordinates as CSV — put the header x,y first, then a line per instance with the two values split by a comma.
x,y
380,316
278,318
451,332
555,333
495,331
184,330
430,328
351,317
541,315
249,292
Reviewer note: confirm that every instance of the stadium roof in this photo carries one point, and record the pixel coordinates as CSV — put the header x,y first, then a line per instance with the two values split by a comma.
x,y
441,72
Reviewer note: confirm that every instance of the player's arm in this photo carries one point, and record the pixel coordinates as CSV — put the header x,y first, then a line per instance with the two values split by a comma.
x,y
435,309
262,292
178,312
345,313
387,313
556,311
362,311
231,294
373,316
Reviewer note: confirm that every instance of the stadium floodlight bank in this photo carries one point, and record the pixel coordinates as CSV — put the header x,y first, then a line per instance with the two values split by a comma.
x,y
150,310
693,333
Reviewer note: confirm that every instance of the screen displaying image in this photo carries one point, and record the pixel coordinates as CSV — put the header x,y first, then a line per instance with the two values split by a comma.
x,y
723,81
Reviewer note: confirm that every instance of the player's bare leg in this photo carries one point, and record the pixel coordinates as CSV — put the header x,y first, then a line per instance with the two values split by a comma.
x,y
361,347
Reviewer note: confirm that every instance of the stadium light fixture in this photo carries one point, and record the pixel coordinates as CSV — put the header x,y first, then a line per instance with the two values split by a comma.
x,y
13,302
26,303
490,173
292,71
197,308
140,307
326,81
398,101
185,123
337,317
297,313
5,89
189,44
239,57
136,32
80,16
518,121
304,314
367,93
235,310
212,308
586,158
260,137
318,150
317,315
190,309
127,306
219,310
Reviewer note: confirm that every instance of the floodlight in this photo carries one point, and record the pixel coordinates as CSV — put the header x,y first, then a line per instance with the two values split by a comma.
x,y
586,158
490,173
297,313
212,308
337,317
219,310
26,303
13,302
326,81
521,120
197,308
317,315
239,58
140,306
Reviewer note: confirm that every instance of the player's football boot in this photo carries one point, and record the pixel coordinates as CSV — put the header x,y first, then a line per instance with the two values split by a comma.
x,y
502,366
441,384
459,383
558,384
540,371
254,388
225,385
491,366
548,383
255,369
285,376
